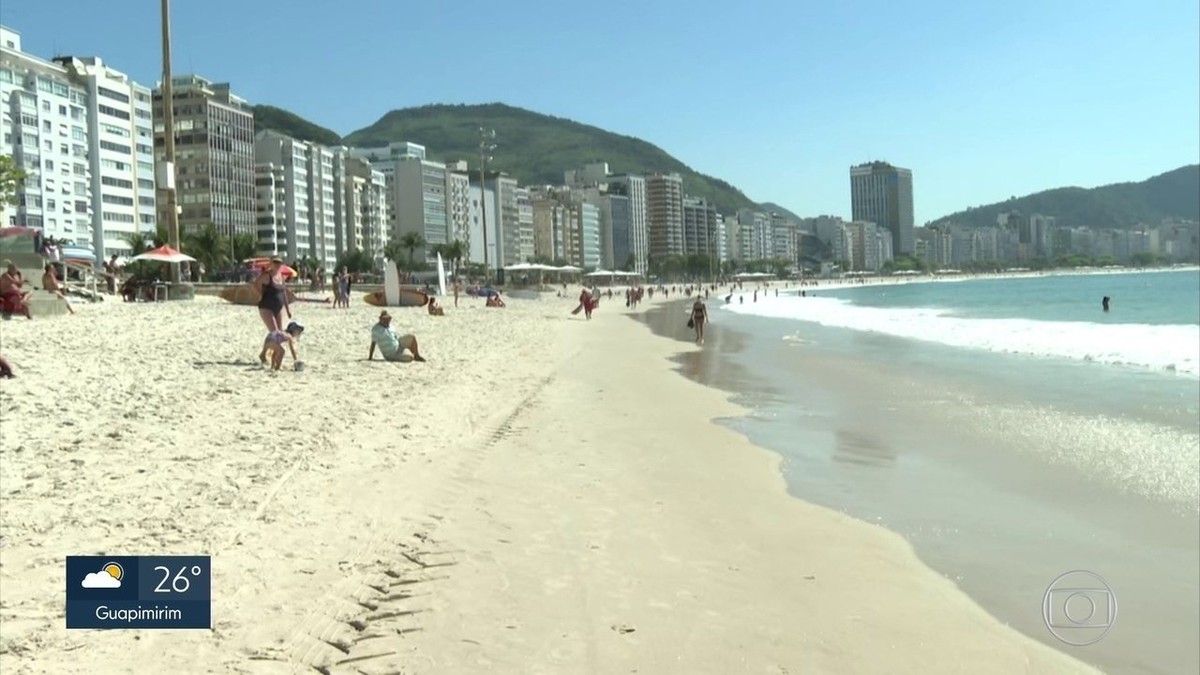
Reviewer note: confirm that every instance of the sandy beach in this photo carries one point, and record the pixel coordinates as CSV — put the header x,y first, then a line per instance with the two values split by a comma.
x,y
544,495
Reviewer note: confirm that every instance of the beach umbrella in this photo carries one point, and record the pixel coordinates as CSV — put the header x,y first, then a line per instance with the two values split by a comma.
x,y
164,254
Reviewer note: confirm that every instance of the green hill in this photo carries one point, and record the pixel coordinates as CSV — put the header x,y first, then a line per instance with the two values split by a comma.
x,y
291,124
534,148
1175,194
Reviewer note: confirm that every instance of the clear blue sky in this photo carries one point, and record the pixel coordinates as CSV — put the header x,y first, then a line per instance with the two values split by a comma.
x,y
982,100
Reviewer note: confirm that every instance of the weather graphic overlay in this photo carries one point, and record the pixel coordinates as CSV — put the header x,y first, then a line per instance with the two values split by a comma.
x,y
140,592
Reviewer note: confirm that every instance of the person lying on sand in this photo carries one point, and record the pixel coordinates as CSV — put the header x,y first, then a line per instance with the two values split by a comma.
x,y
275,342
391,346
6,371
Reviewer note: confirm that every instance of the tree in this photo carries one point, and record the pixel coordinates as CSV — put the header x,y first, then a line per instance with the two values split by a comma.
x,y
209,247
245,245
455,251
356,261
159,237
411,241
11,180
393,250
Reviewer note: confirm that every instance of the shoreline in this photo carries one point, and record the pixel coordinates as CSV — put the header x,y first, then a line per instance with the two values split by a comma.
x,y
534,500
964,499
832,284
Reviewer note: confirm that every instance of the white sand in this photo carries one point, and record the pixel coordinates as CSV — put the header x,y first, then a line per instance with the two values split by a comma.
x,y
542,496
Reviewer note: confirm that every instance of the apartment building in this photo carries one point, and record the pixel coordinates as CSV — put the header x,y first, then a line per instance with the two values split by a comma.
x,y
883,194
756,241
458,202
274,236
551,221
362,207
44,124
120,154
214,156
699,225
664,219
416,194
285,227
525,235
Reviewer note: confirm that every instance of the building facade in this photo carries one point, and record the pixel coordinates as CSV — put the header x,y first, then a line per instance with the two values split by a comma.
x,y
664,215
44,128
883,194
214,156
120,155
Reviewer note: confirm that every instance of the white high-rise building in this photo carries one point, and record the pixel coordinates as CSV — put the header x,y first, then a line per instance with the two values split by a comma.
x,y
484,215
524,225
638,245
322,217
417,201
458,203
270,207
287,159
360,195
120,154
44,125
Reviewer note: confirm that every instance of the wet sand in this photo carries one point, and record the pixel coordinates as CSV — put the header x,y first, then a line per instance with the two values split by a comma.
x,y
942,463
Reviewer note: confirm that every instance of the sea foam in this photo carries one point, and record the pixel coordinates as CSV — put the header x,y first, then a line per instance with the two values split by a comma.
x,y
1159,347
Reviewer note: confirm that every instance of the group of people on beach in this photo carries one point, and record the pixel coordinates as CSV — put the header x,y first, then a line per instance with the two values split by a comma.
x,y
273,302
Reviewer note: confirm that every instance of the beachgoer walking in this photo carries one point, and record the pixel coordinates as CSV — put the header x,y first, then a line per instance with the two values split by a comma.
x,y
699,318
272,299
391,346
1104,303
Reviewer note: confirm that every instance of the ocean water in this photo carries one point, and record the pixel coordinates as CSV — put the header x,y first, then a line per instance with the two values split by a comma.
x,y
1009,429
1153,323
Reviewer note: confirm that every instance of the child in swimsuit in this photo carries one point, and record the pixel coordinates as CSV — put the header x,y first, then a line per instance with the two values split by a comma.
x,y
275,342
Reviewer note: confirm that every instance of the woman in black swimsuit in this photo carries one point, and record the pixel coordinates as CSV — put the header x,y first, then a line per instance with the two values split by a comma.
x,y
272,299
699,318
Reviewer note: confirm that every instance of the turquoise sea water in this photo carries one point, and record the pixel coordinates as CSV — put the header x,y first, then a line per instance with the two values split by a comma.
x,y
1009,429
1157,298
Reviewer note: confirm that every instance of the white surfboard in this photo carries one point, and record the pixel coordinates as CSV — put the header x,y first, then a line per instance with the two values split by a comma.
x,y
441,275
391,284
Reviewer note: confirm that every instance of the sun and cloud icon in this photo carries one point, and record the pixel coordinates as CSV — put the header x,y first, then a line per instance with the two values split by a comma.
x,y
109,576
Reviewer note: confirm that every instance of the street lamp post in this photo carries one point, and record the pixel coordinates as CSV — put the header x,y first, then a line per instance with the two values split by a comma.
x,y
485,146
168,168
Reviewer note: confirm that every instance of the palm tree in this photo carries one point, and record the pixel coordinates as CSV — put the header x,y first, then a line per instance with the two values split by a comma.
x,y
455,251
244,246
209,247
411,241
160,237
136,242
392,250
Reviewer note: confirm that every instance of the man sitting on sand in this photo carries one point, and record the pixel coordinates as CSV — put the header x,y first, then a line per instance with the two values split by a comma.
x,y
275,342
435,309
391,346
494,301
51,283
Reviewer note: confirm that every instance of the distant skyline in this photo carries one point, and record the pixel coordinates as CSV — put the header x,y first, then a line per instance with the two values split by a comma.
x,y
981,101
